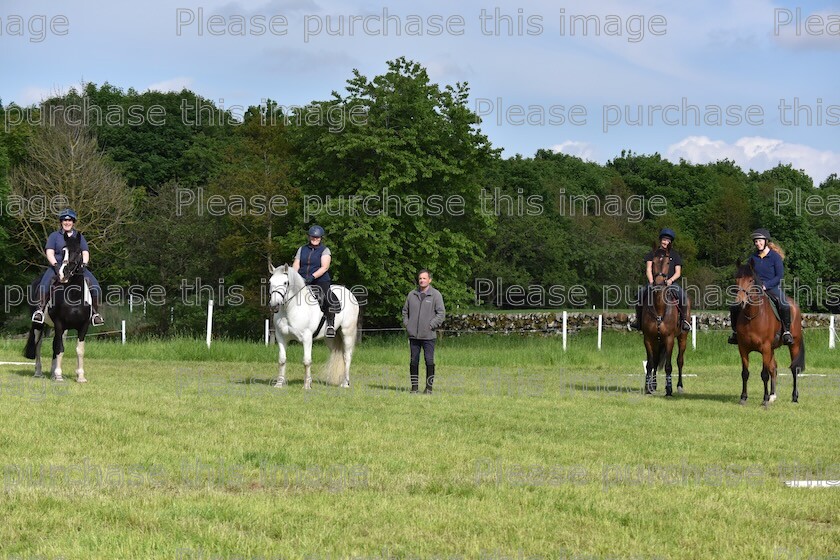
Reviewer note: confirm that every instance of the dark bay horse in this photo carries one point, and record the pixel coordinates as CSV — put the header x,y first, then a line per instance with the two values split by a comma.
x,y
70,310
760,331
660,324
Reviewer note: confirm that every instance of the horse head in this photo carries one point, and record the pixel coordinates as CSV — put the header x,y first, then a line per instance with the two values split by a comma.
x,y
72,262
661,264
748,289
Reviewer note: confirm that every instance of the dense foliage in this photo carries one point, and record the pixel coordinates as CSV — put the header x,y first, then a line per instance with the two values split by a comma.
x,y
399,173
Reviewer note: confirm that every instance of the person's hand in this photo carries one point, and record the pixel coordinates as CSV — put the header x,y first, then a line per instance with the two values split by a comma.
x,y
668,282
309,279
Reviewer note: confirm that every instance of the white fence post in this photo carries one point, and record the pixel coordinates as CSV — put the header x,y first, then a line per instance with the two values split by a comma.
x,y
832,334
565,318
694,332
209,321
123,331
266,332
600,329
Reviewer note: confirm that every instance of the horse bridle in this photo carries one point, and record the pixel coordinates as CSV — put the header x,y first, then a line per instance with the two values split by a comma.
x,y
75,263
747,299
284,289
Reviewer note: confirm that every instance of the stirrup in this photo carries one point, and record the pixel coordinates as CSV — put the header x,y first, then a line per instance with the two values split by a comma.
x,y
686,326
330,331
787,338
38,317
96,320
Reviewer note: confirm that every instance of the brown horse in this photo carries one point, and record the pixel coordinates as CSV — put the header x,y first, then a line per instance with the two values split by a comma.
x,y
660,324
759,330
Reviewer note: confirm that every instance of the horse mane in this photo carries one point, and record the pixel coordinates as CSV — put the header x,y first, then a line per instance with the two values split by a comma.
x,y
744,270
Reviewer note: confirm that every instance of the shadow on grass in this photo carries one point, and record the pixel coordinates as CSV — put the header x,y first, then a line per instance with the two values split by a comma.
x,y
272,380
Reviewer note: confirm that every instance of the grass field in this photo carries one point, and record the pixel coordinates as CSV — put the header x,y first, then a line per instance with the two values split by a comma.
x,y
524,451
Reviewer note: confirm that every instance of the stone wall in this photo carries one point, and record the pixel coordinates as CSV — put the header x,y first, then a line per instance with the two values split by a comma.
x,y
552,323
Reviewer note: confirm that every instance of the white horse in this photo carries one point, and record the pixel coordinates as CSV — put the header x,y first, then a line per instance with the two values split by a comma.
x,y
297,315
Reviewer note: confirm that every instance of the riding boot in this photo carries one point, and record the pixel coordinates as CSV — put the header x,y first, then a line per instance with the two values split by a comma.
x,y
430,379
38,316
684,314
330,317
96,319
414,376
733,316
784,314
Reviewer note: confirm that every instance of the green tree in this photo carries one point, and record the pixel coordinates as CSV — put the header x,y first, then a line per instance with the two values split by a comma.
x,y
415,147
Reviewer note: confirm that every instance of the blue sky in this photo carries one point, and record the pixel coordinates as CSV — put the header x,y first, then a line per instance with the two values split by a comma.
x,y
717,56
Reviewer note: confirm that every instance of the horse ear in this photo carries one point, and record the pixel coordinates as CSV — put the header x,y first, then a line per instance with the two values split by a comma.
x,y
271,268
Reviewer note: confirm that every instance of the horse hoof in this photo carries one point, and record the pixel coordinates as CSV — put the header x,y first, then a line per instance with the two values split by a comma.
x,y
773,398
307,386
766,404
58,379
81,379
345,385
39,375
743,402
680,390
280,384
669,393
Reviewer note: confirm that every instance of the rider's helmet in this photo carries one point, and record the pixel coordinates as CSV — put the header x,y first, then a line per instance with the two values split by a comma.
x,y
65,214
669,233
761,234
316,231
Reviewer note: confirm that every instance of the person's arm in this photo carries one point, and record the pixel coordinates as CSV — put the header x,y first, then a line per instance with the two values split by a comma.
x,y
440,311
677,274
779,272
325,266
51,257
85,257
296,264
405,311
649,272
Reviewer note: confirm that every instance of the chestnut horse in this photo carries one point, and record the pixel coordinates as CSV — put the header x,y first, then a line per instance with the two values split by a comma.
x,y
660,324
759,330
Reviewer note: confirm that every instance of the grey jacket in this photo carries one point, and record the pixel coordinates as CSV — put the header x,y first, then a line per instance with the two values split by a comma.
x,y
422,316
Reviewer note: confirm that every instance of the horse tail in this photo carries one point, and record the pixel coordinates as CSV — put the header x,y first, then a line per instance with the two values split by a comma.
x,y
335,365
798,364
29,351
663,355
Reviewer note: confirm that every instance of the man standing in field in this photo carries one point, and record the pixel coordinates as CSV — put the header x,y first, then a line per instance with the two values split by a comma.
x,y
423,313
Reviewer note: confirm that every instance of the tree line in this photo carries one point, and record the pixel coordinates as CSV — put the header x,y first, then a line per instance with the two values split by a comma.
x,y
176,192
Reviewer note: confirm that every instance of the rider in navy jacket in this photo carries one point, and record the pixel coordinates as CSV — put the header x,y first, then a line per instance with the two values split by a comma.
x,y
769,268
312,261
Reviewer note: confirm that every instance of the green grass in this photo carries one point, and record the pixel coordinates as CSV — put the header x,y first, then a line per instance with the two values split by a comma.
x,y
523,451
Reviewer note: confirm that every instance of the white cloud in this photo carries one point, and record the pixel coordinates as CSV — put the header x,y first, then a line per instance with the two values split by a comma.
x,y
174,84
583,150
756,152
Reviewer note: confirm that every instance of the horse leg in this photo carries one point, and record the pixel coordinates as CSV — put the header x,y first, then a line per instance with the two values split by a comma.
x,y
681,359
745,372
349,340
774,368
58,353
797,361
669,348
80,361
307,359
766,367
650,368
281,376
39,338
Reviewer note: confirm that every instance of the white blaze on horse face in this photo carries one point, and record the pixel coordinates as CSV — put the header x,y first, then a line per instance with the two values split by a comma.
x,y
62,270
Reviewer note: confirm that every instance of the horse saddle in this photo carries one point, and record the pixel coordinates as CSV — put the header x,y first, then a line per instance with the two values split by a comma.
x,y
333,302
775,308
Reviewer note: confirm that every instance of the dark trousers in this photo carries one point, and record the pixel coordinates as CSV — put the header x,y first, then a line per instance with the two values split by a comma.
x,y
428,347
